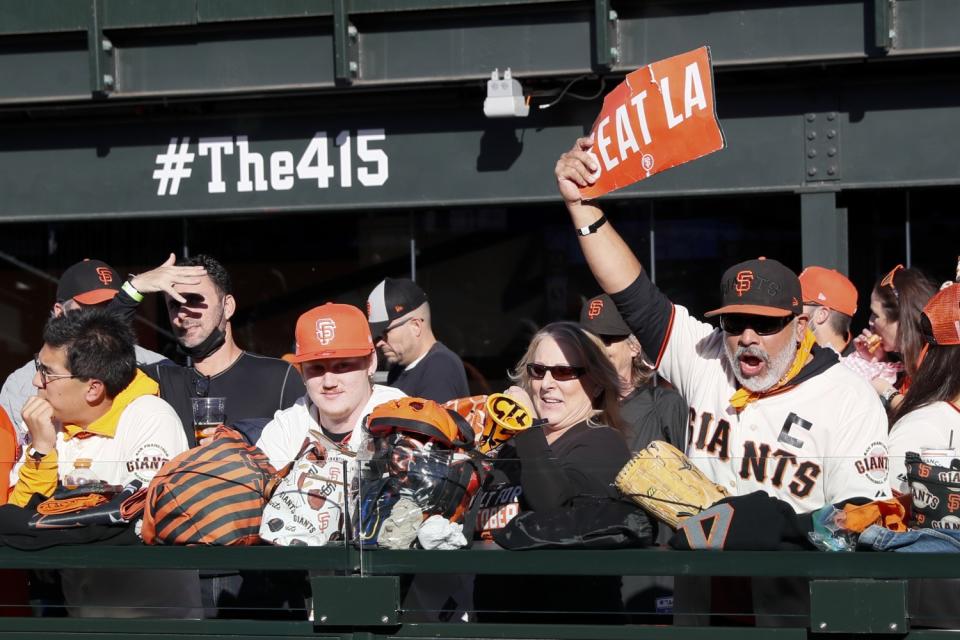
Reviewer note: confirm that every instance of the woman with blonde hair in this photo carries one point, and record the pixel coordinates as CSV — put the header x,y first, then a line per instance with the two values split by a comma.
x,y
571,457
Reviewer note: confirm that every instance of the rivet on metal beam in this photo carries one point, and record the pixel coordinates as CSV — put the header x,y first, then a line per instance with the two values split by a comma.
x,y
812,171
107,80
811,117
106,45
613,15
354,67
352,32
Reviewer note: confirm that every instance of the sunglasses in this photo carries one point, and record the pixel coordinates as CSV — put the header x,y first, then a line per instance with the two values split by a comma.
x,y
560,372
736,323
888,280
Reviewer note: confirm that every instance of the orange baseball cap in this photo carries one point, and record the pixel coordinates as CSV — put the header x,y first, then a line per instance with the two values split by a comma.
x,y
940,320
828,288
332,331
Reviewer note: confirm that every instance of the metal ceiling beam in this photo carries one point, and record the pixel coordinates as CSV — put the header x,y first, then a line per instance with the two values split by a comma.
x,y
189,48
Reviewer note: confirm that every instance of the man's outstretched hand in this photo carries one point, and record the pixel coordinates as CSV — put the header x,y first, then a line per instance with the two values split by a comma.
x,y
166,277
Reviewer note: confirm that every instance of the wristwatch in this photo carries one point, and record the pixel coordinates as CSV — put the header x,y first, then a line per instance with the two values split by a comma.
x,y
35,455
887,397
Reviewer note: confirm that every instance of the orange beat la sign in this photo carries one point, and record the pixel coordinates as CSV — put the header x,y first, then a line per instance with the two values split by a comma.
x,y
660,116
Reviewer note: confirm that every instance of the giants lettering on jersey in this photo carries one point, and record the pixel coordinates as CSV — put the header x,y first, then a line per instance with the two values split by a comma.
x,y
759,461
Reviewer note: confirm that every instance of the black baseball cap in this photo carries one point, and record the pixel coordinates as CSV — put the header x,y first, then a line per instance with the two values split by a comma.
x,y
88,282
391,299
600,317
760,287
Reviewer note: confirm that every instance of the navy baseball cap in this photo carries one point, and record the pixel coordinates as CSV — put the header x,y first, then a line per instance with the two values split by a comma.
x,y
88,282
600,317
760,287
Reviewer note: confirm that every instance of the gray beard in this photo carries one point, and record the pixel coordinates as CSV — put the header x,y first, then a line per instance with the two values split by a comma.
x,y
777,366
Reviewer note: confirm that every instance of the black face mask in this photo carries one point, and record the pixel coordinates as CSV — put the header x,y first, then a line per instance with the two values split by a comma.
x,y
210,344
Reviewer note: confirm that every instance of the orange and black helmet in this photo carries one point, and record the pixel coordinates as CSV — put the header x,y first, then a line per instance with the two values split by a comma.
x,y
423,417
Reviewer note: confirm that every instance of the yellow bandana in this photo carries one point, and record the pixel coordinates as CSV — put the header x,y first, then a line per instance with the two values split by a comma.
x,y
744,396
106,425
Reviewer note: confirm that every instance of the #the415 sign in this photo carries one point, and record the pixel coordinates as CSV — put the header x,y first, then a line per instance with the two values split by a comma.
x,y
660,116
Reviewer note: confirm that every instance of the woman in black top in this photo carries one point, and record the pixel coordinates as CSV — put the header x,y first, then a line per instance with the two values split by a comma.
x,y
567,380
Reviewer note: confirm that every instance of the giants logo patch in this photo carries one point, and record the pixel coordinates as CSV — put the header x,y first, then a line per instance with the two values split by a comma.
x,y
873,464
147,461
596,306
326,330
104,275
744,282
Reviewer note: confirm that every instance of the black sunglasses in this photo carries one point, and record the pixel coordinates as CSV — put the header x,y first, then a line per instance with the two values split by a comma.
x,y
561,372
736,323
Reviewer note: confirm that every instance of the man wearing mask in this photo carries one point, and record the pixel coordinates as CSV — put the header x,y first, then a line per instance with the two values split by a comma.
x,y
94,283
255,386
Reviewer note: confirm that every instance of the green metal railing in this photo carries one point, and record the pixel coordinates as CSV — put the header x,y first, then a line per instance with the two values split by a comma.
x,y
356,593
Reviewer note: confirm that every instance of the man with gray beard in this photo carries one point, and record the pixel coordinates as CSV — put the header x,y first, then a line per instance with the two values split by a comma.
x,y
770,410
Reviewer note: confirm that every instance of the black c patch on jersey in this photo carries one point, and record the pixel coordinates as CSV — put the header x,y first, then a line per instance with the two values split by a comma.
x,y
792,421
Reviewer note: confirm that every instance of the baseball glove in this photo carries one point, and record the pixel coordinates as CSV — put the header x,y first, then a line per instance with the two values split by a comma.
x,y
662,480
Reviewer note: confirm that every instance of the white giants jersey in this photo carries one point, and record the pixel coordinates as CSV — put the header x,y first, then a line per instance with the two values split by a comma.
x,y
820,440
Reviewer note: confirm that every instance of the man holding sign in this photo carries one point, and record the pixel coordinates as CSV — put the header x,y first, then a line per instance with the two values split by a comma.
x,y
769,409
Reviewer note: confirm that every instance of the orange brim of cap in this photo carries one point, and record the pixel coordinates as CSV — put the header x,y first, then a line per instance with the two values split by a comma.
x,y
325,354
96,296
750,309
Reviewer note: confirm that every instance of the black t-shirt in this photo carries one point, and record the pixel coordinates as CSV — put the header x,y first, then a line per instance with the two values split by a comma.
x,y
255,387
439,376
530,474
654,413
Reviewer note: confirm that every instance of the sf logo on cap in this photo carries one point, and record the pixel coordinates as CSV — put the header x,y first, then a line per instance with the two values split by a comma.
x,y
596,306
326,330
744,282
104,275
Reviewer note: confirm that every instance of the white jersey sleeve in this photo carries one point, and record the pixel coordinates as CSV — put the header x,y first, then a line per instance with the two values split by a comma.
x,y
282,438
149,434
934,426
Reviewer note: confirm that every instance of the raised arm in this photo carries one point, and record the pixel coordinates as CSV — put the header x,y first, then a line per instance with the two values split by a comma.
x,y
612,262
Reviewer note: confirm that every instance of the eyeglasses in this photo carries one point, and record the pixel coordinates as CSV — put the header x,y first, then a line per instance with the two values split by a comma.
x,y
45,376
736,323
391,328
888,280
560,372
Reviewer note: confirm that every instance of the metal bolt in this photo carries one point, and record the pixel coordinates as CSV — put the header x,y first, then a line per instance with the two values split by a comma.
x,y
614,52
384,619
832,151
106,45
893,626
832,115
812,135
823,625
831,170
613,15
832,133
812,171
323,618
812,153
354,67
107,80
352,31
811,117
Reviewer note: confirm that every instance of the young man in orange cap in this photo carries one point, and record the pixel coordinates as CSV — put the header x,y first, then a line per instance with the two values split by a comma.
x,y
830,300
337,358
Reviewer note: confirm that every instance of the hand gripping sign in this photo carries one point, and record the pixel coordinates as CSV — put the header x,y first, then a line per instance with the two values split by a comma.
x,y
660,116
